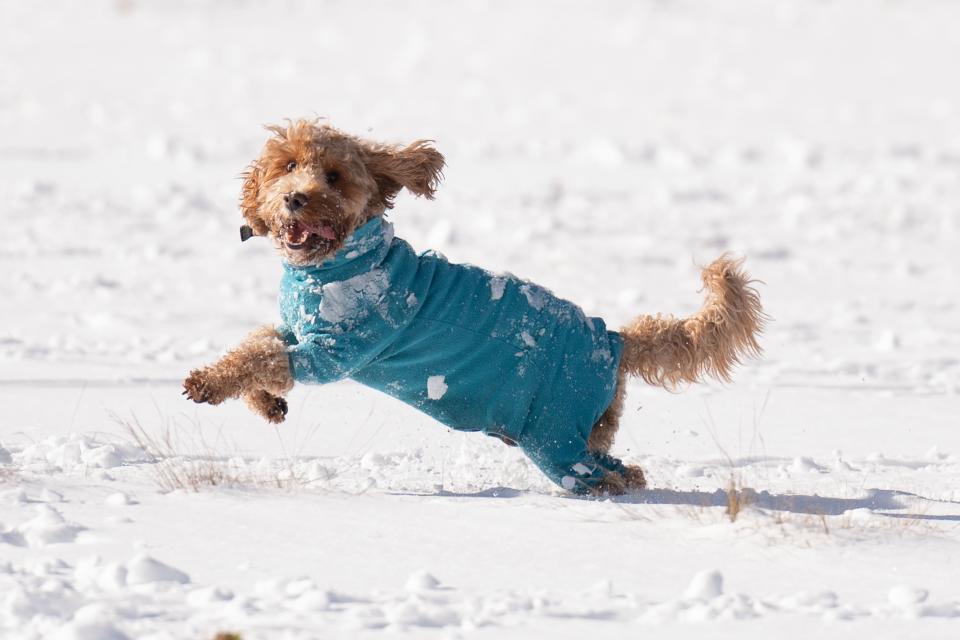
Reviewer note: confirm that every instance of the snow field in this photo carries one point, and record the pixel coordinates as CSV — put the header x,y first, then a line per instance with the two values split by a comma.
x,y
602,150
75,579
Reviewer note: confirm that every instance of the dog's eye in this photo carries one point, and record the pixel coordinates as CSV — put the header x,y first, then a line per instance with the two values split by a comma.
x,y
291,166
332,177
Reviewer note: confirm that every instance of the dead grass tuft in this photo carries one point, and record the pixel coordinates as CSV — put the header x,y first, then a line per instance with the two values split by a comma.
x,y
737,498
184,460
227,635
852,524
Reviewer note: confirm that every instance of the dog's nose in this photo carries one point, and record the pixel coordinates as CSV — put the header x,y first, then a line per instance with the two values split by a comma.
x,y
295,201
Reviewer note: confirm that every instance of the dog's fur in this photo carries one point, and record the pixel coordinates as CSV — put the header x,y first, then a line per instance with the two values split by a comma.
x,y
339,182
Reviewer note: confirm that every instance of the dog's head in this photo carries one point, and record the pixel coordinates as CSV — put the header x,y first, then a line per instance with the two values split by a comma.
x,y
313,185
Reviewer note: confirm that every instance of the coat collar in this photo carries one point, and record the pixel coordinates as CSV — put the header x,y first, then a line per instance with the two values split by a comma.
x,y
363,250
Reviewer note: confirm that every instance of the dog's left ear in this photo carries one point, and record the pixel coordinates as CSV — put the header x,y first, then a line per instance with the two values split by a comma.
x,y
417,167
249,201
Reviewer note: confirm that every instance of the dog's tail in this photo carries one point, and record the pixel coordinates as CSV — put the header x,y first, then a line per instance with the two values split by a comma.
x,y
666,351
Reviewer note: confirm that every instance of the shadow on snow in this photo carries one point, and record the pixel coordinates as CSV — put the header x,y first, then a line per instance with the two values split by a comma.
x,y
877,500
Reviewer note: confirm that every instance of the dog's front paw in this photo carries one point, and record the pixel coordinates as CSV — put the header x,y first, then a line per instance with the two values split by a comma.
x,y
200,386
276,411
272,408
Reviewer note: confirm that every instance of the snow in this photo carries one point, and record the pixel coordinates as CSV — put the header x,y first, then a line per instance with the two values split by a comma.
x,y
581,469
436,387
904,596
144,569
421,581
706,585
497,286
119,499
534,295
601,155
352,298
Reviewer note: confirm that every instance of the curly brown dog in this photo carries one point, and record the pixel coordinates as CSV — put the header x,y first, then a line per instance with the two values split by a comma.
x,y
318,194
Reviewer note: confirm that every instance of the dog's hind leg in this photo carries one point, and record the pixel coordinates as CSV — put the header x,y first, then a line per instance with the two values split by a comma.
x,y
666,351
621,478
616,483
605,430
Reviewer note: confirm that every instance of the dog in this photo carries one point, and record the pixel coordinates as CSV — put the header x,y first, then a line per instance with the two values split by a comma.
x,y
475,350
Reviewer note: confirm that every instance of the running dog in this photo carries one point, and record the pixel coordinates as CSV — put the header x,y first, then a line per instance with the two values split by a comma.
x,y
475,350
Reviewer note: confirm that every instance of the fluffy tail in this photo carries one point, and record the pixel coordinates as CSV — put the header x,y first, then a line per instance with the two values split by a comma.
x,y
665,351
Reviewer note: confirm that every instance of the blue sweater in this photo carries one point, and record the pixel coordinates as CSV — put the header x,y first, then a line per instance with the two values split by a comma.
x,y
474,350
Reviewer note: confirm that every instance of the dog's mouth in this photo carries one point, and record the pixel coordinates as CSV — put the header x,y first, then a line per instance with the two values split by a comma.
x,y
298,235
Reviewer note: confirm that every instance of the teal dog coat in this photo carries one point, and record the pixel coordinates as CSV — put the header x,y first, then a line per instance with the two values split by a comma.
x,y
474,350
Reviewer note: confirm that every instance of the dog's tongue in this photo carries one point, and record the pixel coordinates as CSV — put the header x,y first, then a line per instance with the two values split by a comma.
x,y
298,232
324,231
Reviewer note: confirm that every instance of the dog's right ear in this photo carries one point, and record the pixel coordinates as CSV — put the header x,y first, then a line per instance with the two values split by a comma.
x,y
249,202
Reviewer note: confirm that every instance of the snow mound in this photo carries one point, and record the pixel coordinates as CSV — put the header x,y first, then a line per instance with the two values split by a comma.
x,y
421,581
77,453
904,596
144,570
47,527
706,585
119,499
88,631
91,622
92,571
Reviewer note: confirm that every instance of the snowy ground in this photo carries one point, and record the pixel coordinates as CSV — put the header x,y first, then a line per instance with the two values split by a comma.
x,y
601,149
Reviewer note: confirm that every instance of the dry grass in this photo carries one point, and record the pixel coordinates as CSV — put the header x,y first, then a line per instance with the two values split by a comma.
x,y
227,635
182,459
742,509
795,527
803,530
809,521
737,498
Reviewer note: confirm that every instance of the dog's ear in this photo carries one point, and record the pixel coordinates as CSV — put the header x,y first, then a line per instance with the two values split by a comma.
x,y
418,167
249,194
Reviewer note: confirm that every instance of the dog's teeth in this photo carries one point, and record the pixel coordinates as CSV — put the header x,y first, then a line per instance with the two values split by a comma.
x,y
296,235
